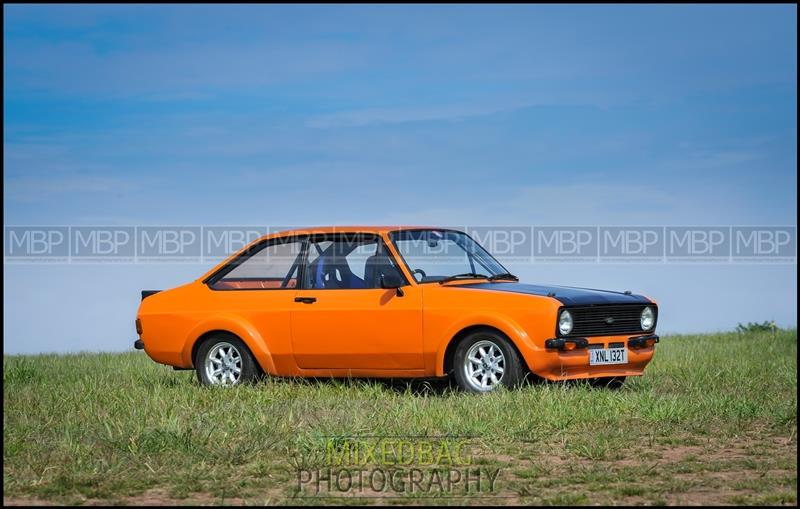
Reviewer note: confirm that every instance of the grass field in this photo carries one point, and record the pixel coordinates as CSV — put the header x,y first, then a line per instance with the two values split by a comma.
x,y
713,421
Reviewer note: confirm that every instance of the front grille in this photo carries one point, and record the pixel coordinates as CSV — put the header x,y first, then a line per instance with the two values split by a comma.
x,y
594,320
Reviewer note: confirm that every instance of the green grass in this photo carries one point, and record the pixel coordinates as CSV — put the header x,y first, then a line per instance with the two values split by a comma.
x,y
713,420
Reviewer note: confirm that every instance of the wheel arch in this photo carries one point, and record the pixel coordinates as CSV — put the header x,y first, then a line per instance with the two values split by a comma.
x,y
444,365
237,327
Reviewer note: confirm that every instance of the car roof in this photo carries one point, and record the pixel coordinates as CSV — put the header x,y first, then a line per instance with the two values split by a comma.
x,y
352,229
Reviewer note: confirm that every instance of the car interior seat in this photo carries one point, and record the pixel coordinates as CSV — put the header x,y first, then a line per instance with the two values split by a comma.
x,y
332,271
376,267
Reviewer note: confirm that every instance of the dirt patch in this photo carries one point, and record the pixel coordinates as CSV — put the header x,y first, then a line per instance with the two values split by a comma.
x,y
22,501
681,453
153,497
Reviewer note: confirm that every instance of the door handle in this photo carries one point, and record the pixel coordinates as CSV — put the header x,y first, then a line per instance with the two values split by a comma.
x,y
306,300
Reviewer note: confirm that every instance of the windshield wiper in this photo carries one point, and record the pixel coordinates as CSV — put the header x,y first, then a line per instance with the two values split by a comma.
x,y
466,275
504,275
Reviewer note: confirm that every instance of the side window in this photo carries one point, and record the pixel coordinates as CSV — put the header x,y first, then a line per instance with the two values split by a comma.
x,y
347,262
274,266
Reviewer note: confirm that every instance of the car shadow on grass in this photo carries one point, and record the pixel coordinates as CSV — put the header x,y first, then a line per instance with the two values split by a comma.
x,y
423,387
420,387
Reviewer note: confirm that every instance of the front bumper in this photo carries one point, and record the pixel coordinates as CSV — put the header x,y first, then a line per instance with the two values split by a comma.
x,y
568,358
569,344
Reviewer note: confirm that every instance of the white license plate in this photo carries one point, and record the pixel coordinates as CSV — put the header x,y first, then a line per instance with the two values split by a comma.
x,y
601,356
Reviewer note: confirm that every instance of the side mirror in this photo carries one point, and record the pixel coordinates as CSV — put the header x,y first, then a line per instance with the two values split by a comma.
x,y
392,281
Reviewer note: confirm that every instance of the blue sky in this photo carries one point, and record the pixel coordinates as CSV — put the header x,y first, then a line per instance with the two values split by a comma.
x,y
137,115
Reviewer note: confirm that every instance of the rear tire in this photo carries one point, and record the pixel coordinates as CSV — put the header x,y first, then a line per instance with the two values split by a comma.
x,y
223,359
484,360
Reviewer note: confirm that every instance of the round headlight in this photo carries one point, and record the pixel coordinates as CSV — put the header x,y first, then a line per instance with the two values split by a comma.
x,y
648,318
565,323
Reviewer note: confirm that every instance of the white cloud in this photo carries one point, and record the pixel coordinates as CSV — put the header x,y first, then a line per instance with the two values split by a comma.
x,y
358,118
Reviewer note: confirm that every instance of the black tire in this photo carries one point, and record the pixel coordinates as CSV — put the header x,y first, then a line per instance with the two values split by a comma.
x,y
249,370
511,376
609,382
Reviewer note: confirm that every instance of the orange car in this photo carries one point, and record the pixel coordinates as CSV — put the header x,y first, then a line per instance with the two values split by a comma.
x,y
390,302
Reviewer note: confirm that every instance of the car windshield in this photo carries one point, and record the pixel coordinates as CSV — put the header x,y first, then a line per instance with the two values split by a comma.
x,y
438,255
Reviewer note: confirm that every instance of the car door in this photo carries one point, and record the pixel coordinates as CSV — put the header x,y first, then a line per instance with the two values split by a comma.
x,y
343,319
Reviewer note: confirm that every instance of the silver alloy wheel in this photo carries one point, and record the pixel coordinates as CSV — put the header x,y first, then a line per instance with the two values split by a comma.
x,y
223,364
484,365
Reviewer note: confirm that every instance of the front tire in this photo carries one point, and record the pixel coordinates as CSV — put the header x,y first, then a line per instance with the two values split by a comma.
x,y
223,359
484,360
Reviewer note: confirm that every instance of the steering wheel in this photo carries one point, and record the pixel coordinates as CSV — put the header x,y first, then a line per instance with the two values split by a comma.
x,y
421,272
